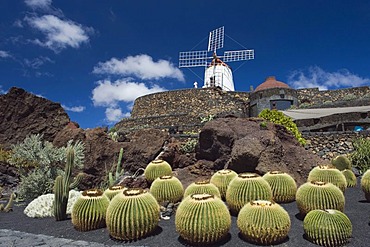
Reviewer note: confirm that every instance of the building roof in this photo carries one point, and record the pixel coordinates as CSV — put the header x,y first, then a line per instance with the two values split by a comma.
x,y
271,82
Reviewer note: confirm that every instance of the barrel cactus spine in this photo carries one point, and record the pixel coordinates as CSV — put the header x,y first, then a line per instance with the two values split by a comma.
x,y
156,169
263,222
202,187
329,174
88,212
350,178
132,214
221,179
341,162
319,195
202,219
114,190
328,227
283,186
247,187
365,184
167,188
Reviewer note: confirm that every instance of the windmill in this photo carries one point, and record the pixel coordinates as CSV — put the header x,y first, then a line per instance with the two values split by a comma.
x,y
217,72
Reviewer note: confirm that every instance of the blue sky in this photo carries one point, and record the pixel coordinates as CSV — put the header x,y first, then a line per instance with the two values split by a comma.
x,y
96,57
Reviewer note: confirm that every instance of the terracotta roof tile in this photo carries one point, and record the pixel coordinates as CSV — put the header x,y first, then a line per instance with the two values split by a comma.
x,y
271,82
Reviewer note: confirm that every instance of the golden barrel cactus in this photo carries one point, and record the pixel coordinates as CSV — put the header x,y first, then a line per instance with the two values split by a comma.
x,y
114,190
365,184
167,188
283,186
350,178
328,174
202,187
156,169
341,162
221,179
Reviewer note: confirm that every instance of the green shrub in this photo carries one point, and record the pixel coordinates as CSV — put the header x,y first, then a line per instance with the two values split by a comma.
x,y
207,118
349,97
189,146
278,117
360,157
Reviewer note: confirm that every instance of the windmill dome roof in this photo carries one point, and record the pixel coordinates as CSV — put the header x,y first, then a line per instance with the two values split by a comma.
x,y
271,82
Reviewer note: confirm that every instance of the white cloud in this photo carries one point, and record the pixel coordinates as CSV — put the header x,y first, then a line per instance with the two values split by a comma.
x,y
316,77
74,108
38,4
18,23
115,114
1,90
141,66
37,62
4,54
59,33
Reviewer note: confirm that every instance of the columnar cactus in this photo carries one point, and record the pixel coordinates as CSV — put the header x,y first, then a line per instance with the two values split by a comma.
x,y
365,184
63,185
202,219
112,178
167,188
202,187
283,186
341,162
263,222
88,212
132,214
221,179
327,227
329,174
319,195
114,190
247,187
156,169
350,178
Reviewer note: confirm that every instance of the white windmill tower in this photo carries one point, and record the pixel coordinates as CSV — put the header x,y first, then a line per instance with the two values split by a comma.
x,y
217,72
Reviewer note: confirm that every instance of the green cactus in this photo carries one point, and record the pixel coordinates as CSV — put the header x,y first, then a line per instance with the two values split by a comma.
x,y
156,169
222,179
341,162
263,222
350,178
327,227
62,186
89,210
114,190
132,214
329,174
167,188
202,187
202,219
283,186
365,184
119,171
319,195
9,206
247,187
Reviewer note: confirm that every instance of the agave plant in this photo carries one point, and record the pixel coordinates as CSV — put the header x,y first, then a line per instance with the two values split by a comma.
x,y
156,169
202,187
328,227
202,219
350,178
247,187
132,214
319,195
114,190
89,210
365,184
329,174
221,179
167,188
283,186
263,222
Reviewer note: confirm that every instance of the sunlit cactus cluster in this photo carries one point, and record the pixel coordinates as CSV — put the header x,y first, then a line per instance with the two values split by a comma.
x,y
202,187
167,188
222,179
329,174
156,169
283,186
114,190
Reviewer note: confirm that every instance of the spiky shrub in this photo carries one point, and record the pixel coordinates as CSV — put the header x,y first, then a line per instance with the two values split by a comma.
x,y
132,214
222,179
329,174
319,195
341,162
8,206
202,219
247,187
328,227
156,169
365,184
113,190
167,188
263,222
360,157
88,213
202,187
283,186
350,178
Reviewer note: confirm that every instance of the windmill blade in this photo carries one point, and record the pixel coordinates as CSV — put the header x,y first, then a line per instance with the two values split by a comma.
x,y
193,59
216,39
230,56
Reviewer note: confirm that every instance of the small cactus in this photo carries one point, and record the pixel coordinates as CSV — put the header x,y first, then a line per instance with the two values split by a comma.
x,y
112,178
202,187
329,174
283,186
319,195
247,187
263,222
88,212
156,169
327,227
167,188
341,162
221,179
350,178
114,190
202,219
132,214
365,184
